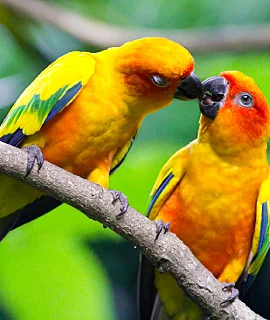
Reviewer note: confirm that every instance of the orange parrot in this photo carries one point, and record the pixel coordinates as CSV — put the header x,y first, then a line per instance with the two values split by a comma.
x,y
214,193
83,112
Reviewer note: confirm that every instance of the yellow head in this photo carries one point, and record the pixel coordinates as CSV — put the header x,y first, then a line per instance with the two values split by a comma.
x,y
156,70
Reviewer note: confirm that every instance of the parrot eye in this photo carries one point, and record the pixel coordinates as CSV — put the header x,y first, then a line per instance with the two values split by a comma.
x,y
159,81
246,100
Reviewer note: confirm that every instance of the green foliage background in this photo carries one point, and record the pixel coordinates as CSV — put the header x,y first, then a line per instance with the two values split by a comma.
x,y
64,266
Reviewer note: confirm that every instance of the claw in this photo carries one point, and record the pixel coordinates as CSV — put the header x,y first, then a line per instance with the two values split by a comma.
x,y
234,292
34,153
161,226
166,227
123,200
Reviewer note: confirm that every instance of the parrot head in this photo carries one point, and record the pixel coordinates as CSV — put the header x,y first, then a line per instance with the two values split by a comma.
x,y
235,114
156,70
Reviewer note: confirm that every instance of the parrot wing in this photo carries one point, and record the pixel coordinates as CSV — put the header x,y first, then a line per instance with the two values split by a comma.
x,y
169,177
54,89
122,153
261,237
45,204
32,211
258,296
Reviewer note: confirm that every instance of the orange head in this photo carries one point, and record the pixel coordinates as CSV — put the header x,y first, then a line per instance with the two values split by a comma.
x,y
235,113
156,70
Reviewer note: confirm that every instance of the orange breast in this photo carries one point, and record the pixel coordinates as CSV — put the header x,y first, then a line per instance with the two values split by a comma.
x,y
86,134
213,213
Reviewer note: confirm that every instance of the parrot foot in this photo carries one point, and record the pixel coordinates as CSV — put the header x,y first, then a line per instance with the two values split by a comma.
x,y
123,200
161,226
34,154
234,292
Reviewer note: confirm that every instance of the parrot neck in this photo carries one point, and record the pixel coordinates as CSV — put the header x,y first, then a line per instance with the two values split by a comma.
x,y
254,158
232,147
131,106
117,100
241,154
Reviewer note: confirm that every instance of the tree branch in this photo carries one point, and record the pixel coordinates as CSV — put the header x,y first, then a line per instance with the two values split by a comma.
x,y
104,35
168,253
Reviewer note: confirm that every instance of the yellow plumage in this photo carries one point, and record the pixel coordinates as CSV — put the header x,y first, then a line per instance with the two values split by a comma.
x,y
85,109
215,192
65,71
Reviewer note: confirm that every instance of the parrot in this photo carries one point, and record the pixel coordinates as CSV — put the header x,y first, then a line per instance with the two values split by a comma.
x,y
83,112
214,195
258,296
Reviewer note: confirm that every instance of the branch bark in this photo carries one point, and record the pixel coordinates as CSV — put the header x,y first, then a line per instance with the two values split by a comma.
x,y
104,35
168,253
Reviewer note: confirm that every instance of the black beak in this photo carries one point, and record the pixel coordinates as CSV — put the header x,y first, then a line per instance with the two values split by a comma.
x,y
215,91
189,88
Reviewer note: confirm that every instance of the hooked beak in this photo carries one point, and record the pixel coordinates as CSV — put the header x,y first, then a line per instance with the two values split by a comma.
x,y
215,91
189,88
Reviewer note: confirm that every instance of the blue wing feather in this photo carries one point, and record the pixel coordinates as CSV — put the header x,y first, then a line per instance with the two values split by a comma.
x,y
264,225
61,103
16,138
162,186
263,234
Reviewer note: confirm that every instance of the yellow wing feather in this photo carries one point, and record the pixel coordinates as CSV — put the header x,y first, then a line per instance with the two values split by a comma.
x,y
64,73
173,170
261,238
122,153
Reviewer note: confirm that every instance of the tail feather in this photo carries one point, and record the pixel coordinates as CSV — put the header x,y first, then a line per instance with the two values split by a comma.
x,y
7,223
26,214
36,209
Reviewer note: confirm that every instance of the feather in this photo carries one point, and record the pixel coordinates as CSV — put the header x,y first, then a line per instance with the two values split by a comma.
x,y
160,189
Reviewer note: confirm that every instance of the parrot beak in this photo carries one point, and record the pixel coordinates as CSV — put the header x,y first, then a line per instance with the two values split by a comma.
x,y
189,88
215,91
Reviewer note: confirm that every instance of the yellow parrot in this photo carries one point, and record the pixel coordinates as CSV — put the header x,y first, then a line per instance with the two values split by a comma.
x,y
83,112
215,193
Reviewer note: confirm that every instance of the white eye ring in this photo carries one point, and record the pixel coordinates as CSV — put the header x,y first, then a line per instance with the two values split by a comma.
x,y
159,81
245,100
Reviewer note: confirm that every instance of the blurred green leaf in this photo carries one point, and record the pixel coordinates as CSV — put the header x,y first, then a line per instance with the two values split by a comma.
x,y
172,14
48,271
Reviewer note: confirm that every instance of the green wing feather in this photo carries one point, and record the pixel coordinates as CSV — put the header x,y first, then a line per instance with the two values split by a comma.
x,y
55,88
261,237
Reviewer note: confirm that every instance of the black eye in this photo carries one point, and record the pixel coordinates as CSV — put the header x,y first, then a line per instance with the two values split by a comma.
x,y
246,100
159,81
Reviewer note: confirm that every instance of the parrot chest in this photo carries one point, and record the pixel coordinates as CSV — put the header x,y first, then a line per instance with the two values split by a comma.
x,y
213,211
84,137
